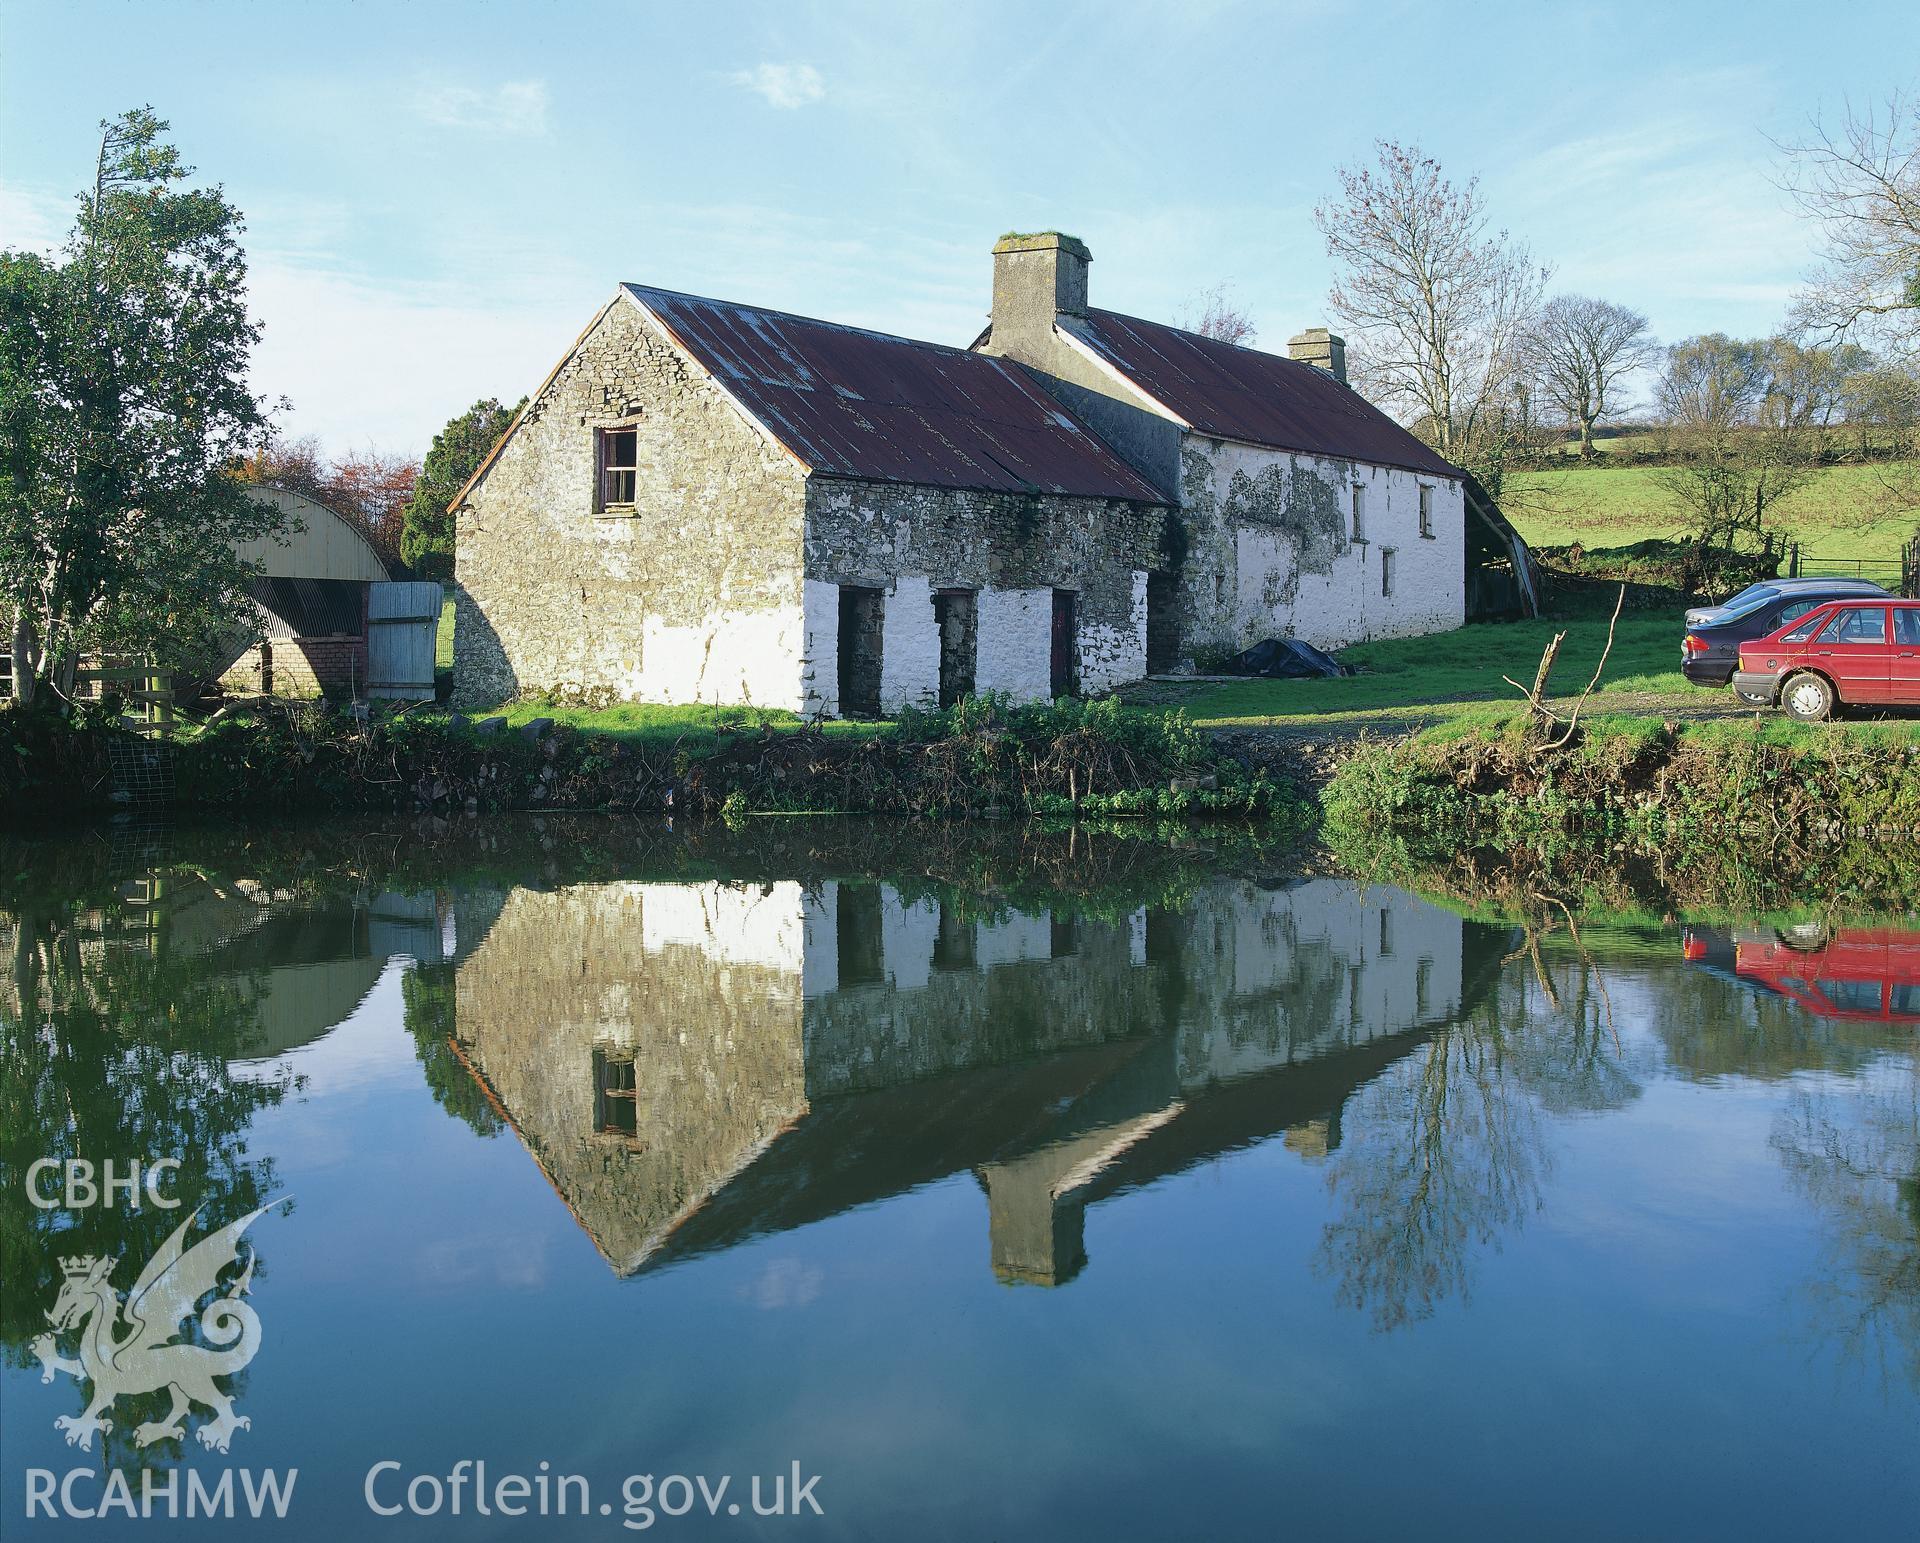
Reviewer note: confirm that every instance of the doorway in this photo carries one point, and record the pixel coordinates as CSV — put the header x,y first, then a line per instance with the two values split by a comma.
x,y
862,616
1063,676
1163,629
956,616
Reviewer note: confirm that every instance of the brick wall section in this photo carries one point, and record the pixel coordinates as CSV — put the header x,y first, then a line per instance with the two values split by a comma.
x,y
1012,551
695,596
305,667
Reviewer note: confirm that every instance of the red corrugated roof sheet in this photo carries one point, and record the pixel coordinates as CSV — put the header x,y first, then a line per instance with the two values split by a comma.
x,y
1242,394
851,403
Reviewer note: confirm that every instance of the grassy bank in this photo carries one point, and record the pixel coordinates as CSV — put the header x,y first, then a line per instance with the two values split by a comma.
x,y
1764,780
982,758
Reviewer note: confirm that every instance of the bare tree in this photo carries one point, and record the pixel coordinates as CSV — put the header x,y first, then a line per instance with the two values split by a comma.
x,y
1434,301
1738,446
1861,184
1215,313
1581,350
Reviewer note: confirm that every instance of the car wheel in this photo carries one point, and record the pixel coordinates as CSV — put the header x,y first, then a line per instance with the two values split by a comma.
x,y
1808,698
1755,698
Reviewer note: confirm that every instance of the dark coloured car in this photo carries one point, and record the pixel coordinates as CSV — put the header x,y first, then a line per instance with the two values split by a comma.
x,y
1710,653
1844,653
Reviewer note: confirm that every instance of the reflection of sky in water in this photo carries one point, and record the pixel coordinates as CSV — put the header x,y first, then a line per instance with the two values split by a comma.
x,y
1353,1232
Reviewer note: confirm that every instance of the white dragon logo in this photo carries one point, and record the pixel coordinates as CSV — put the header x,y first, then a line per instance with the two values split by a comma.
x,y
150,1355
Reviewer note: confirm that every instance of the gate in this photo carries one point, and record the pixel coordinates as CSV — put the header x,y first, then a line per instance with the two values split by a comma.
x,y
403,625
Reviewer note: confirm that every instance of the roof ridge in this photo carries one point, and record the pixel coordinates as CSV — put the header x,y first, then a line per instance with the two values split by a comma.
x,y
812,321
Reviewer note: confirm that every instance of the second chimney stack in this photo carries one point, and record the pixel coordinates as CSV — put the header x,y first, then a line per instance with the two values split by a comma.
x,y
1321,349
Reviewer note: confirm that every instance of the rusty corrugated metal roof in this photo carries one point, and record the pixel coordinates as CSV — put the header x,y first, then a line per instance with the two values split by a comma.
x,y
852,403
1257,398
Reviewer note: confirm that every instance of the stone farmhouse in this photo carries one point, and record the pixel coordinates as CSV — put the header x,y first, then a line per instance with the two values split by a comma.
x,y
711,502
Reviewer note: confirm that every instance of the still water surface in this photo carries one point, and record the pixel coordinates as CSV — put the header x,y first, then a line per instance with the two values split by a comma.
x,y
1073,1193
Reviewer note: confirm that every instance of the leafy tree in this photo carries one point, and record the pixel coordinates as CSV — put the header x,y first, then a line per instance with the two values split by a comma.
x,y
1580,351
427,992
123,402
426,539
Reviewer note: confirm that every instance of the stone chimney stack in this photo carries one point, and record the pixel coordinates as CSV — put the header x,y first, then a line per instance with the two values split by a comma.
x,y
1321,349
1036,278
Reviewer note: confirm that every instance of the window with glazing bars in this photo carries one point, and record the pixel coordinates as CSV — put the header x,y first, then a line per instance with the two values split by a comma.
x,y
619,468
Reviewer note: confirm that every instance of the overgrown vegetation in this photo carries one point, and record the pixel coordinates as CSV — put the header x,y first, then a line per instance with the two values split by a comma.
x,y
1766,779
983,757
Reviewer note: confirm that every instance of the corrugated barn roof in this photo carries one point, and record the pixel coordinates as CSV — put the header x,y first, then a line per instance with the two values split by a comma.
x,y
851,403
1257,398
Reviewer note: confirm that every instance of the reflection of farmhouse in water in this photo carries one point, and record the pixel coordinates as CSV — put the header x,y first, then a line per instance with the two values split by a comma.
x,y
695,1065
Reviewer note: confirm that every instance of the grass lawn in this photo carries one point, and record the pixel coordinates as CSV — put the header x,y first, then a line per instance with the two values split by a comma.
x,y
1454,677
1614,507
1441,676
695,726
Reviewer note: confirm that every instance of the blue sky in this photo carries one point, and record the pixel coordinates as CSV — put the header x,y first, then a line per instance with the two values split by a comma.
x,y
439,195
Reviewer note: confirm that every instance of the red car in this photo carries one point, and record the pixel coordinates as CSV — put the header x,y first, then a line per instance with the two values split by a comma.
x,y
1864,973
1847,653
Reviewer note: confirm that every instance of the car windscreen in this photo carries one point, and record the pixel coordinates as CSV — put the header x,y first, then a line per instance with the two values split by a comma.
x,y
1747,602
1906,626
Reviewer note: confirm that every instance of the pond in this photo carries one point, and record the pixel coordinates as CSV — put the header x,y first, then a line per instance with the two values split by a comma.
x,y
998,1184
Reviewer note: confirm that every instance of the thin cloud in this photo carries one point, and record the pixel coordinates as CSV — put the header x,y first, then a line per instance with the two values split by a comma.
x,y
516,108
783,85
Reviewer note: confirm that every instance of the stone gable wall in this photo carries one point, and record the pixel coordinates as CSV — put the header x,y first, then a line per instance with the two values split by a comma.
x,y
694,597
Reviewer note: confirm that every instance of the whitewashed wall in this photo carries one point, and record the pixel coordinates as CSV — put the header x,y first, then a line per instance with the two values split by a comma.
x,y
1113,656
1252,575
1015,629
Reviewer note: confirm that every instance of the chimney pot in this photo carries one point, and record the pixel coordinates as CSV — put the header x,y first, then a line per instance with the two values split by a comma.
x,y
1321,349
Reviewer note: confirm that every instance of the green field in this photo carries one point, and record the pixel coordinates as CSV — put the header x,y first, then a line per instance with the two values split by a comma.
x,y
1832,517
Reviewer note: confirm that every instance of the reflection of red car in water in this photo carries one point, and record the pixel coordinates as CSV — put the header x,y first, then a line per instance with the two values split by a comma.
x,y
1870,973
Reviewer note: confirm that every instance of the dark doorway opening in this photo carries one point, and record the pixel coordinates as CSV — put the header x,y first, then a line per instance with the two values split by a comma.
x,y
954,944
956,614
1163,630
862,613
1064,672
857,935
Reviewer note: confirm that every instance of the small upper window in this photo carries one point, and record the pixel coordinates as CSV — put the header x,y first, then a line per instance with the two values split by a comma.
x,y
619,467
1359,513
1426,511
